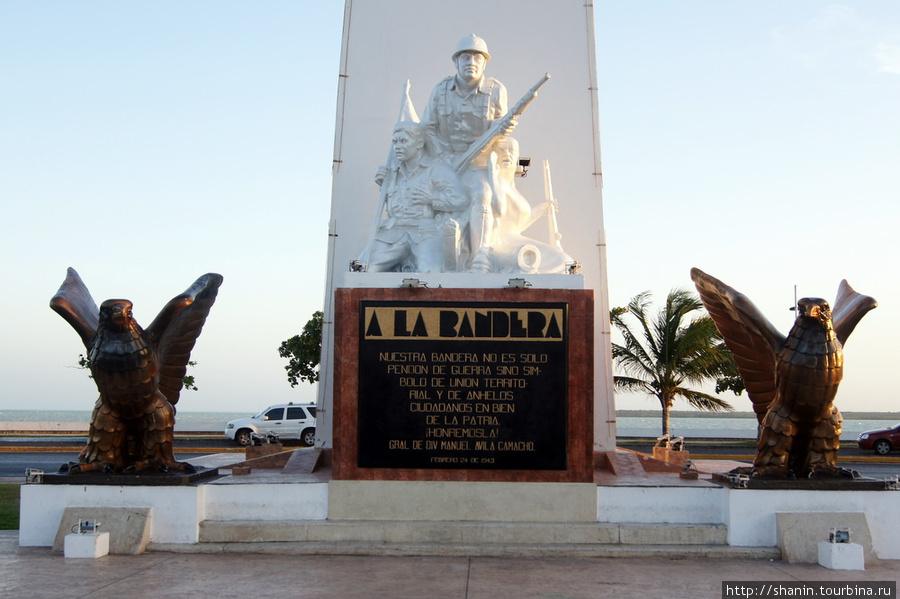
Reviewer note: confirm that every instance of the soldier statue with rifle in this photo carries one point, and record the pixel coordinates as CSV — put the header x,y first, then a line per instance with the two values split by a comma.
x,y
465,114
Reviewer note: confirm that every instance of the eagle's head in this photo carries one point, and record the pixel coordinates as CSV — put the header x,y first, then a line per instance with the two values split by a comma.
x,y
814,308
115,315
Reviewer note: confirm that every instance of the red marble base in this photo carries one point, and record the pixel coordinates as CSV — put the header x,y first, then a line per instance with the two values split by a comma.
x,y
579,444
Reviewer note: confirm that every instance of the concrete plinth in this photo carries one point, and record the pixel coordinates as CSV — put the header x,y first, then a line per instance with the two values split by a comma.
x,y
87,545
442,501
129,528
841,556
258,451
319,515
176,510
800,533
671,456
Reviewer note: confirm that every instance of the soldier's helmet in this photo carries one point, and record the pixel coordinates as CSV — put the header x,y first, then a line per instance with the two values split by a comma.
x,y
472,43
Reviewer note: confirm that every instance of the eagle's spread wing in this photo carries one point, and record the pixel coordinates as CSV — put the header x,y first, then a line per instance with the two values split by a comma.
x,y
177,327
849,308
749,335
73,302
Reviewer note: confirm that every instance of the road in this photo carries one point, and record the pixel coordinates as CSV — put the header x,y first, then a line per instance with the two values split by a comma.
x,y
878,471
14,463
49,452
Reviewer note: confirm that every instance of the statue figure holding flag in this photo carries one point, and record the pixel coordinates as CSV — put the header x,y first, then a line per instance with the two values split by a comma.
x,y
418,194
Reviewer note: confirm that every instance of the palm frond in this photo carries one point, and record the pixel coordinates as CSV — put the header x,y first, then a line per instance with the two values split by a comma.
x,y
627,383
704,401
663,353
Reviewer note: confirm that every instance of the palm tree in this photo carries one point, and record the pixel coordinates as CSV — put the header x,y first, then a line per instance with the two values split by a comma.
x,y
665,353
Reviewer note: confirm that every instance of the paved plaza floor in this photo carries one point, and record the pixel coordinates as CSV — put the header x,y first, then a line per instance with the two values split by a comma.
x,y
38,572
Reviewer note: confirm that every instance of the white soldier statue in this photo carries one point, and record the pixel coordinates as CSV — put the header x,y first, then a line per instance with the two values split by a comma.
x,y
461,109
448,200
420,193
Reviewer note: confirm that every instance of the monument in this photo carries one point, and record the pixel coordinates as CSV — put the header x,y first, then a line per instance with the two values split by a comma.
x,y
456,384
453,383
465,288
466,382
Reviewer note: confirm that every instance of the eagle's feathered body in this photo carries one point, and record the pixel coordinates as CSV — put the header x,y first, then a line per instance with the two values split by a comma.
x,y
809,366
792,381
138,373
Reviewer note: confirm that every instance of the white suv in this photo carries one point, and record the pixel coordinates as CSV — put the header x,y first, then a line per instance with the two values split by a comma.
x,y
288,421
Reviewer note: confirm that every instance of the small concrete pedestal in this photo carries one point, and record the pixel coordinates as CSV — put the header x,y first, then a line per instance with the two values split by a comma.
x,y
87,545
259,451
671,456
841,556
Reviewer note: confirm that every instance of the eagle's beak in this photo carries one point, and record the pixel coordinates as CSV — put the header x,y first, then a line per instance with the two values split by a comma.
x,y
119,315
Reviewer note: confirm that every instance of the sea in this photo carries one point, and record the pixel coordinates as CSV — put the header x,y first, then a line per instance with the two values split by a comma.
x,y
630,423
79,419
732,425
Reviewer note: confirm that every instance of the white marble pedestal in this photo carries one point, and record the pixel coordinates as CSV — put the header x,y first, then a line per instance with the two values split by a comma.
x,y
841,556
91,545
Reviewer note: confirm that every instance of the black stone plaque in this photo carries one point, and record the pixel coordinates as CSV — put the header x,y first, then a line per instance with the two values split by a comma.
x,y
463,385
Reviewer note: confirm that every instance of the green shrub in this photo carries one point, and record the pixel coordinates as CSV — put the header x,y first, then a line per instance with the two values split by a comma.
x,y
9,507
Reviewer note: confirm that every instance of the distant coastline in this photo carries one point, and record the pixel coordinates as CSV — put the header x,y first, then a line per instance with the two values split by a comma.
x,y
697,414
73,415
78,420
732,425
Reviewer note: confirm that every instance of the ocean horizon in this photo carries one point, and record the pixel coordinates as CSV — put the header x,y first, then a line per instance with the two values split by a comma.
x,y
184,420
630,423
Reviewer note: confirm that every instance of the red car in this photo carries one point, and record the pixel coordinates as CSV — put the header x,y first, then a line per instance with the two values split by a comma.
x,y
882,441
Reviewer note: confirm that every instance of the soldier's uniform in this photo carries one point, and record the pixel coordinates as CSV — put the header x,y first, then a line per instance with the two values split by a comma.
x,y
410,240
455,118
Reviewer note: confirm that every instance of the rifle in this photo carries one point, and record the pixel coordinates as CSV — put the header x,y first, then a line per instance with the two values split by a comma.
x,y
552,208
497,127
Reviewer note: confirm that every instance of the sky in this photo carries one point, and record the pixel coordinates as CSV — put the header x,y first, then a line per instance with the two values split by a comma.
x,y
147,143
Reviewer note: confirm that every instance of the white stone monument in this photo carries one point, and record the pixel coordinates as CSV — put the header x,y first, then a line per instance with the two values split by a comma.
x,y
437,197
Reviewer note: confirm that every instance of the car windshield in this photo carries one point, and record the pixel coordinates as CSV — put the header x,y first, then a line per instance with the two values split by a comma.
x,y
260,415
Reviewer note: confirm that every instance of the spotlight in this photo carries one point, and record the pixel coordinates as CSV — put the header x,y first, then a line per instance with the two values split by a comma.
x,y
839,536
86,527
413,283
522,167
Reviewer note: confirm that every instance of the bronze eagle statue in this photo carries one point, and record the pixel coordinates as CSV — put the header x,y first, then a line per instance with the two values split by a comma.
x,y
139,373
791,381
